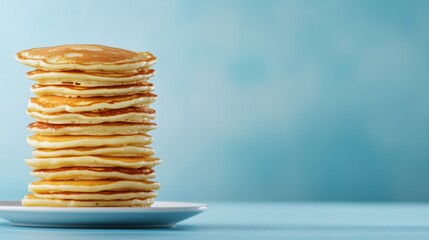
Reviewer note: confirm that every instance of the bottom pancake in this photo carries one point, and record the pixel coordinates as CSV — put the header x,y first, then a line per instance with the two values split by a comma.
x,y
32,201
104,195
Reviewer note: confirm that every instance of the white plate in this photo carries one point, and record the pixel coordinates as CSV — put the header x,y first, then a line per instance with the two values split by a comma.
x,y
161,214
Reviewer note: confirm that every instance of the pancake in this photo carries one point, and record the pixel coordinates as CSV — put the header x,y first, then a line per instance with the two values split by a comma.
x,y
94,173
131,114
78,91
92,161
40,141
89,79
45,186
114,151
54,104
85,57
32,201
106,195
116,128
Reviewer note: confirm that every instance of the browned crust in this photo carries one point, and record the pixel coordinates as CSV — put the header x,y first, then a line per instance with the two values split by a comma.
x,y
108,55
54,101
132,171
107,112
143,71
42,125
86,182
80,88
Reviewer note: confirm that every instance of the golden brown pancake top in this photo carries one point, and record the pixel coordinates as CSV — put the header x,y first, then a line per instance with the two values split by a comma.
x,y
107,112
100,169
83,54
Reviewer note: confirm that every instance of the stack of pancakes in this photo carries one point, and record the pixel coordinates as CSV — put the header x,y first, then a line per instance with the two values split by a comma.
x,y
92,118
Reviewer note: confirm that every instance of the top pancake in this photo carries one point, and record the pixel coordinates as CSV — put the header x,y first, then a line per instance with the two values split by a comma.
x,y
85,57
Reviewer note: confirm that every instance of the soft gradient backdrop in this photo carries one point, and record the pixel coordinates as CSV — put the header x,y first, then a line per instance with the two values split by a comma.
x,y
258,100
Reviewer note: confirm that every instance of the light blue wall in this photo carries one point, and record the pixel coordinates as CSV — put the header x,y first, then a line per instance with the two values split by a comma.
x,y
258,100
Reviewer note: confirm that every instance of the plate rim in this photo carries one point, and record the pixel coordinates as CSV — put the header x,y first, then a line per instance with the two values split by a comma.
x,y
197,207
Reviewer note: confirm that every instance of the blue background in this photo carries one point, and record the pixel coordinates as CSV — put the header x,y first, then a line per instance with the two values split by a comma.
x,y
258,100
